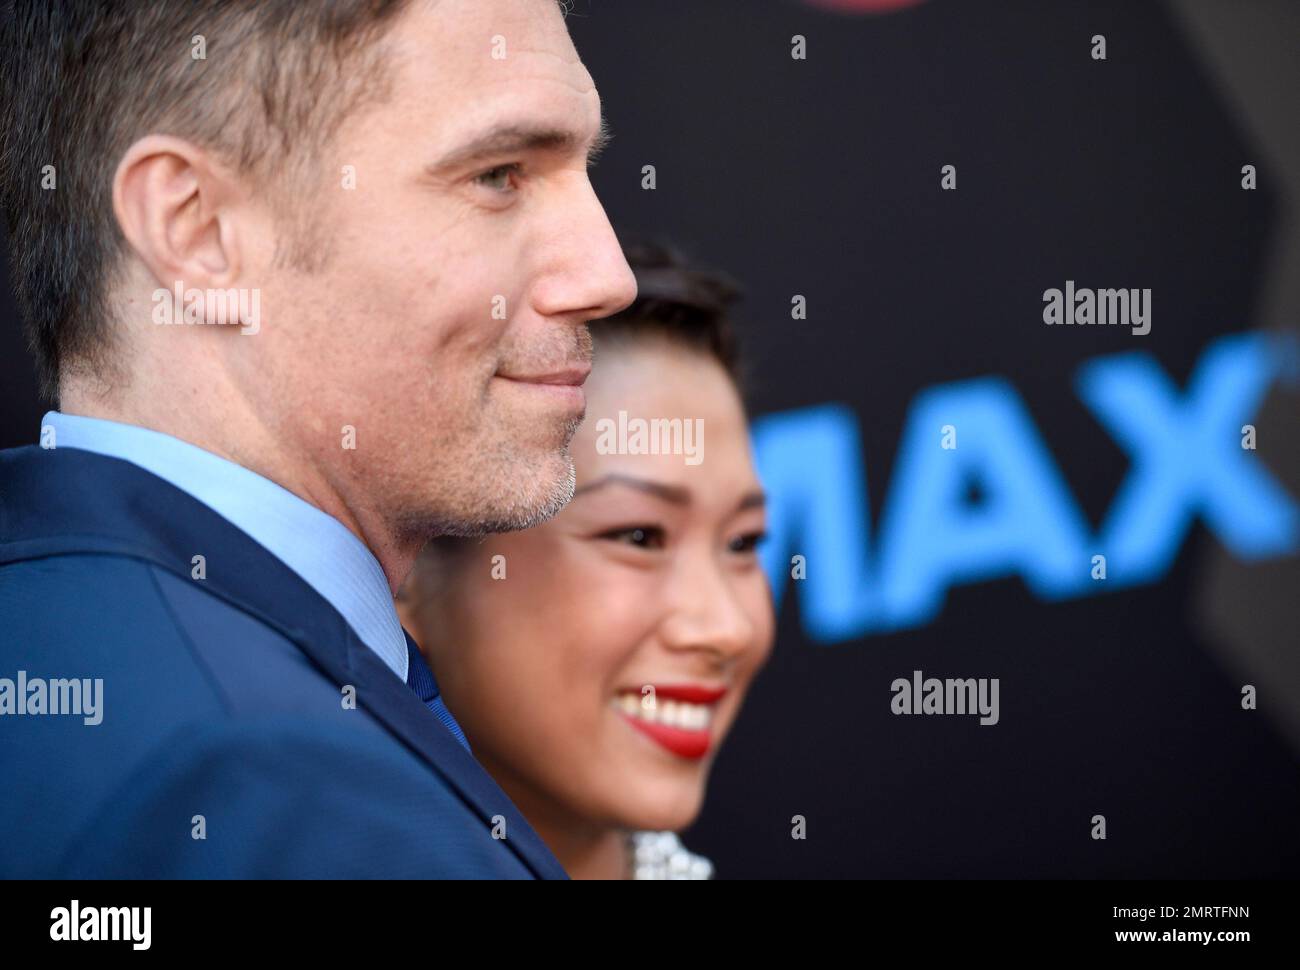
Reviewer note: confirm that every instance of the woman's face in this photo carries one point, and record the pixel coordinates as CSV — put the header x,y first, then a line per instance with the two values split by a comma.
x,y
598,676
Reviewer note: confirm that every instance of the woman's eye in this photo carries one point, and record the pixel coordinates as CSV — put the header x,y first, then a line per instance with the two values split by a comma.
x,y
642,536
498,179
747,543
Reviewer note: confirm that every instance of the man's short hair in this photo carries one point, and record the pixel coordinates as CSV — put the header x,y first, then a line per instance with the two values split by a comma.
x,y
263,83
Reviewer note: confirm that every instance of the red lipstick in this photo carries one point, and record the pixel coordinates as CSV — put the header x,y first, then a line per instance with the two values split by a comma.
x,y
686,735
691,693
687,744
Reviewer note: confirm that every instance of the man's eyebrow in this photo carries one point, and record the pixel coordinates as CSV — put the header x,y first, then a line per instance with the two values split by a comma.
x,y
669,493
511,139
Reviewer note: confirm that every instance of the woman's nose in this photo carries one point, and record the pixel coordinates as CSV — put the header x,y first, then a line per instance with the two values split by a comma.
x,y
705,612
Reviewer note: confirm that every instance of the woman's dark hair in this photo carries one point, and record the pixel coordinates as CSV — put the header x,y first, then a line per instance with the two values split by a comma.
x,y
679,301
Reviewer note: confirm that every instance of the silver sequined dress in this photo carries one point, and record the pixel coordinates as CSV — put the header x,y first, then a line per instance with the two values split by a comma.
x,y
661,855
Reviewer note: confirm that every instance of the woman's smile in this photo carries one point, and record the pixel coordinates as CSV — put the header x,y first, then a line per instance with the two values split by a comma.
x,y
676,717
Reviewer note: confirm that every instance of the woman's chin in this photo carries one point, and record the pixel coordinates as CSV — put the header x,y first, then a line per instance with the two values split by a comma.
x,y
649,804
655,788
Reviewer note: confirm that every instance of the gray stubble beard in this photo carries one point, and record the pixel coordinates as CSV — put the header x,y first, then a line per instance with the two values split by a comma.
x,y
420,527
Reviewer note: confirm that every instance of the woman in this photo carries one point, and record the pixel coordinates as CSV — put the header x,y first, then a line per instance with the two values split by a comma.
x,y
596,662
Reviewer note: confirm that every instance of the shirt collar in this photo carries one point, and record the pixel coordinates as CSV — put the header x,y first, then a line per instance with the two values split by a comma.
x,y
316,546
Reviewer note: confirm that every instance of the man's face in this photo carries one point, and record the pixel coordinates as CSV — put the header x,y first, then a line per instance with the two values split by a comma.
x,y
447,325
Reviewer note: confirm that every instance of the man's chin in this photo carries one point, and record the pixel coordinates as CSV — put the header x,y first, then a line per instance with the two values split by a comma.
x,y
533,503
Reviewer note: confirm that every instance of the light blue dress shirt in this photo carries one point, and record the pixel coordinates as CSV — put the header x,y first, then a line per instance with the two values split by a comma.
x,y
316,546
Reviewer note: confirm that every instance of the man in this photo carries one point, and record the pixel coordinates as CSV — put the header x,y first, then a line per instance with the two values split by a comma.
x,y
310,282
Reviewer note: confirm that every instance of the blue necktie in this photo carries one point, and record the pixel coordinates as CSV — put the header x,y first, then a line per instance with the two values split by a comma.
x,y
420,679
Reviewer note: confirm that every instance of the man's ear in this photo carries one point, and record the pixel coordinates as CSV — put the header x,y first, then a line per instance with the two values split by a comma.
x,y
173,202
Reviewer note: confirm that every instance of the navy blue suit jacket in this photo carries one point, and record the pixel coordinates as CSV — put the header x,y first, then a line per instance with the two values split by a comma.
x,y
222,698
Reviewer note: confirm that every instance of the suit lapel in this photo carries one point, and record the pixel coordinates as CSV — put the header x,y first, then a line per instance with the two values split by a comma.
x,y
397,706
62,501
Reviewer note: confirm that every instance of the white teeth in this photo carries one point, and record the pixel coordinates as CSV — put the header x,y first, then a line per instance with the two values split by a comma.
x,y
678,714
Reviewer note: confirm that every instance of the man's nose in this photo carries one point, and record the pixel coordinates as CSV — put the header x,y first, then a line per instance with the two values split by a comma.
x,y
586,275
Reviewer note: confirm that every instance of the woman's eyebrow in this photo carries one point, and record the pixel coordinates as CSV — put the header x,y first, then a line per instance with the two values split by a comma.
x,y
676,494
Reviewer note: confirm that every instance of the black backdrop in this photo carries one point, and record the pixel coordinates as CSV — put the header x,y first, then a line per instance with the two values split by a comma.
x,y
821,177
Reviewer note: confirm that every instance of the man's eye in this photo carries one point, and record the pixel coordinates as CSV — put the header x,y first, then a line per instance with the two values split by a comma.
x,y
499,179
642,536
747,543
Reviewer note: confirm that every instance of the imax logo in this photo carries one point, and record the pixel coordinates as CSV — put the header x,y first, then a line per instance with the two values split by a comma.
x,y
1186,462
